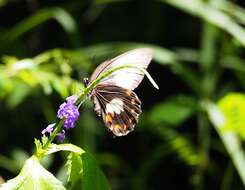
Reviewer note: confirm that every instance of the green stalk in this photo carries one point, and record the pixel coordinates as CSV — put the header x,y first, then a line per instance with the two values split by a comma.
x,y
227,178
57,130
207,60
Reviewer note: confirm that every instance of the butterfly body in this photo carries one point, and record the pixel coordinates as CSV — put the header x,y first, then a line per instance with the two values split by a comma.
x,y
113,98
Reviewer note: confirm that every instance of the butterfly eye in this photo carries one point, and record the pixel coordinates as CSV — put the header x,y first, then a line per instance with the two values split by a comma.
x,y
85,82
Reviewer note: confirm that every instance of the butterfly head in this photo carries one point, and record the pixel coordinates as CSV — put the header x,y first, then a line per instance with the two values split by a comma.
x,y
85,81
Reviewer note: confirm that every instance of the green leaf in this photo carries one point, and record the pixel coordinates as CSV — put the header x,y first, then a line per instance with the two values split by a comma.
x,y
84,169
233,108
212,15
19,93
108,1
180,144
33,176
237,12
74,165
56,13
64,147
232,62
52,148
229,138
172,111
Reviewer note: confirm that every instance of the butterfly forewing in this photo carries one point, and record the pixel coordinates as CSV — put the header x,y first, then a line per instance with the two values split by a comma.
x,y
128,78
119,108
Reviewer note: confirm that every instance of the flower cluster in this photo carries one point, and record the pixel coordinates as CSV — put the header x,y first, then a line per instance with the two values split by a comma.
x,y
69,111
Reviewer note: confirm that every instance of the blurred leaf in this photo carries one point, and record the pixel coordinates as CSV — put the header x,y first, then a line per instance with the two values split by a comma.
x,y
113,161
59,14
161,54
19,93
109,1
180,144
233,108
19,156
33,176
8,163
3,2
173,111
60,56
232,62
60,86
83,168
229,138
150,162
188,55
50,70
232,9
211,15
28,77
6,86
61,174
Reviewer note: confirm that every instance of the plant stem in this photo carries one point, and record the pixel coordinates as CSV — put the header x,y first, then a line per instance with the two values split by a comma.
x,y
227,178
57,130
207,60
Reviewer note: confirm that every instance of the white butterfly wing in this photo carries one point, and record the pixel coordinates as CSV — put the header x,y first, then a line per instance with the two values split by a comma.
x,y
128,78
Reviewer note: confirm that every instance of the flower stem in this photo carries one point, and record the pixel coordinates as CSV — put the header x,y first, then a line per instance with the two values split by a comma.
x,y
58,129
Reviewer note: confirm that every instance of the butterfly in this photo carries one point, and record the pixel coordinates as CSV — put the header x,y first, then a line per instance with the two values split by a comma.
x,y
113,98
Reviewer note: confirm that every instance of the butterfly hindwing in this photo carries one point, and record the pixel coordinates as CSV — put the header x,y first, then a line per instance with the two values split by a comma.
x,y
119,107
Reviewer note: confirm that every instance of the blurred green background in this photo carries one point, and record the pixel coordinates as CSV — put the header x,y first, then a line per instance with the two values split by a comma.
x,y
190,134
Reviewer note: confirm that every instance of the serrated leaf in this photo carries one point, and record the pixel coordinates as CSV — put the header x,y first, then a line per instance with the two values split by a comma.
x,y
172,111
83,168
33,176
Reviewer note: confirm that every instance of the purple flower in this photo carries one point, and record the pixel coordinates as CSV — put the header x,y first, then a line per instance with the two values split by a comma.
x,y
61,136
69,111
49,129
71,99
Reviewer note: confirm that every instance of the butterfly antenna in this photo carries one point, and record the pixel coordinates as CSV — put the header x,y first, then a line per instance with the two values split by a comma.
x,y
149,77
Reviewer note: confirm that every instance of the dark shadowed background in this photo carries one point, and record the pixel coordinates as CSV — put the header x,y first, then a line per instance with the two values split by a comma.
x,y
198,57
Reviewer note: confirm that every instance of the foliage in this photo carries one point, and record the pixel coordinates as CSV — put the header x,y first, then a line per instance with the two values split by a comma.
x,y
193,124
33,176
233,108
